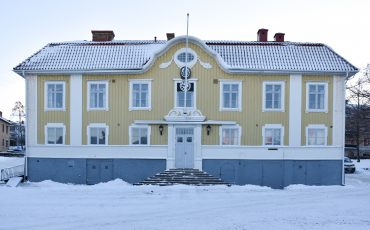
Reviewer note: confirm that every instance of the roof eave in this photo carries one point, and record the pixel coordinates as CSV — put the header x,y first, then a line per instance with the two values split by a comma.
x,y
258,71
5,120
22,73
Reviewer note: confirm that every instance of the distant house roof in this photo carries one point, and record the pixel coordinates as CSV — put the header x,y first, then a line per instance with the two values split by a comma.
x,y
5,120
134,55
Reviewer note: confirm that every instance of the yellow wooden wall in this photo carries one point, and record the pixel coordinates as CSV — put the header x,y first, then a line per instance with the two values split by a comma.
x,y
119,118
325,118
44,117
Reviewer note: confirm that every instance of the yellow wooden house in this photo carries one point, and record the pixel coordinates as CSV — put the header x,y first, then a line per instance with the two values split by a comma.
x,y
250,112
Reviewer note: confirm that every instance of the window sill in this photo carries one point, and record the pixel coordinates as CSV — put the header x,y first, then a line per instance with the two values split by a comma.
x,y
57,109
230,110
316,111
97,144
273,110
273,146
97,109
140,108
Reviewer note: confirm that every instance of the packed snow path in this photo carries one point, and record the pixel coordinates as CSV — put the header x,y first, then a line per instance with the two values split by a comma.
x,y
117,205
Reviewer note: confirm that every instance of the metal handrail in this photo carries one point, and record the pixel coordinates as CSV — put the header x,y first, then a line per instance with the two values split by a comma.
x,y
8,173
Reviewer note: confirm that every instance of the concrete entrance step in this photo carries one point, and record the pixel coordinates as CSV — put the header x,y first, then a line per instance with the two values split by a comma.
x,y
14,181
182,176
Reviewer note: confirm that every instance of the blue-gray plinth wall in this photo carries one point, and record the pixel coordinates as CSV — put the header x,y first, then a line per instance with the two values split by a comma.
x,y
276,173
92,171
272,173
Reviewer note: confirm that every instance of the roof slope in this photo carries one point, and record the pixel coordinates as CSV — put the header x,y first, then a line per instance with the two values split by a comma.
x,y
5,120
84,56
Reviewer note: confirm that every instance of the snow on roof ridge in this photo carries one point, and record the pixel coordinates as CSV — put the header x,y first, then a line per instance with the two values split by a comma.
x,y
123,42
233,55
232,42
237,42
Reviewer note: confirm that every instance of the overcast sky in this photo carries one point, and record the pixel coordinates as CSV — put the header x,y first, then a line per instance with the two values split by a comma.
x,y
27,26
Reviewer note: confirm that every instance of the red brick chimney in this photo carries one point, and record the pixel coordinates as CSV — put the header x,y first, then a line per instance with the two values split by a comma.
x,y
102,35
170,36
262,35
279,37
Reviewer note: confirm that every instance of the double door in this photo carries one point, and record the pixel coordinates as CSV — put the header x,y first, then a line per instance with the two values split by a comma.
x,y
184,147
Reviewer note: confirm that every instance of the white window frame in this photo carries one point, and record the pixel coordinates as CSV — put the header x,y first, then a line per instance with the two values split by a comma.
x,y
273,126
282,98
54,125
140,81
240,92
237,127
317,126
46,108
325,109
139,126
192,81
106,83
98,125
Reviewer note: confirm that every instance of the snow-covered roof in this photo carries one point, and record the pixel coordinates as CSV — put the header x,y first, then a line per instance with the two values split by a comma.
x,y
135,55
5,120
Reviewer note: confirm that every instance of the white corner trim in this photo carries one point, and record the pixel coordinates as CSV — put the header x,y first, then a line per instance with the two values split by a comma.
x,y
273,126
100,82
240,93
237,127
75,125
46,108
54,125
31,110
282,96
295,110
98,125
325,110
147,127
338,134
140,81
317,126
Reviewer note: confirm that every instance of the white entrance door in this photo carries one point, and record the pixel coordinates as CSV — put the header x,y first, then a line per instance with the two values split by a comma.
x,y
184,148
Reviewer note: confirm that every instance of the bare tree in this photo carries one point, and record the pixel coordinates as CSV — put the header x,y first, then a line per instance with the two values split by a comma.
x,y
358,98
18,110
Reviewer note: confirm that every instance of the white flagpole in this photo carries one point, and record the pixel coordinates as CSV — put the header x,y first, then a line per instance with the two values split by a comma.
x,y
186,61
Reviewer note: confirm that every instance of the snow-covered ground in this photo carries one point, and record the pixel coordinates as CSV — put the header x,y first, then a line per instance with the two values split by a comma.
x,y
117,205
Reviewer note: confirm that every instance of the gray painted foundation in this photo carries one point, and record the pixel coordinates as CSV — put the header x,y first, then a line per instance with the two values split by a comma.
x,y
272,173
276,173
92,171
